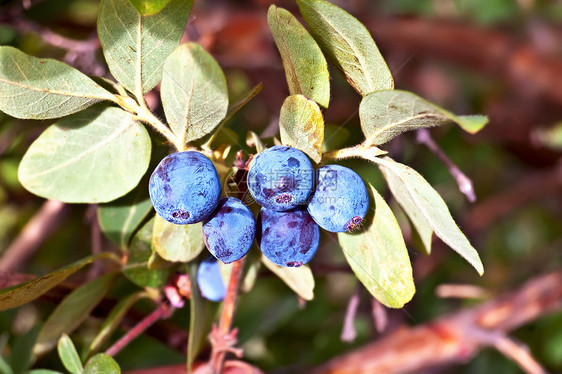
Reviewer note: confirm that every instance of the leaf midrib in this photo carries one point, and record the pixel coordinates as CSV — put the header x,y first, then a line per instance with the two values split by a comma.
x,y
88,151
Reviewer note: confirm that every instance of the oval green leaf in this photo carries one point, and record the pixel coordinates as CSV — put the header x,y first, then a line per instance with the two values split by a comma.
x,y
120,218
378,256
298,279
38,88
302,126
194,93
386,114
305,66
149,7
348,44
90,157
135,46
177,243
72,311
69,356
102,364
15,296
405,182
137,269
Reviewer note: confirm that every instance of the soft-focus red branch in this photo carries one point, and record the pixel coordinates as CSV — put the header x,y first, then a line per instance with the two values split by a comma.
x,y
40,227
457,337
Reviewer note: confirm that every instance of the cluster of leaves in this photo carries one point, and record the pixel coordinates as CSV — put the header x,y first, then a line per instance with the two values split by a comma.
x,y
99,150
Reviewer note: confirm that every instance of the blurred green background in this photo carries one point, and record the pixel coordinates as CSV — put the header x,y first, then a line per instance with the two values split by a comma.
x,y
502,58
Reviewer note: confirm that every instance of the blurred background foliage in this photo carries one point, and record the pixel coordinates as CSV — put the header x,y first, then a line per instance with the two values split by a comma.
x,y
502,58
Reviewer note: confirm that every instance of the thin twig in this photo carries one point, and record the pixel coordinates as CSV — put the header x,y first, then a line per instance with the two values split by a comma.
x,y
519,353
461,291
349,333
380,315
40,227
222,338
465,184
162,312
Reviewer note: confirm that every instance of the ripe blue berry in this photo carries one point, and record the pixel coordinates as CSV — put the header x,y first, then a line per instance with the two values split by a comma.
x,y
340,201
185,188
230,231
288,238
281,178
209,280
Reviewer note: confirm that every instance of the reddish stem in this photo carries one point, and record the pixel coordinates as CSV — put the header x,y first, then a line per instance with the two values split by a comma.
x,y
162,312
224,338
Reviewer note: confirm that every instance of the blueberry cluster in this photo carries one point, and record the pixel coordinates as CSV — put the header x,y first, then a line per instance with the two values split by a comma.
x,y
296,201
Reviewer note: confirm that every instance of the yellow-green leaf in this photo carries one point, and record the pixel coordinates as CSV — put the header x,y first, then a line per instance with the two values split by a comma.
x,y
348,44
39,88
149,7
94,156
177,243
388,113
302,126
378,256
305,66
405,182
24,293
194,92
299,279
135,46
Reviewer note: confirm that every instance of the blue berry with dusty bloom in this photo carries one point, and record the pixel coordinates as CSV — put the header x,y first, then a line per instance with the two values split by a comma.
x,y
288,238
230,231
281,178
185,187
340,201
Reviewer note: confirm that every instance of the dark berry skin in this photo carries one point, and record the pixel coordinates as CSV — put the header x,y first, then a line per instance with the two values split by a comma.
x,y
185,188
230,231
340,201
288,238
281,178
209,280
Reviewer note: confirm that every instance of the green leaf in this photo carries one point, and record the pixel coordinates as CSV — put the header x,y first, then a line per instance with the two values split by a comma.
x,y
135,46
386,114
299,279
149,7
348,44
4,367
114,319
302,126
194,93
72,311
42,371
137,270
90,157
38,88
102,364
202,314
68,355
405,181
378,256
21,355
422,234
177,243
119,219
305,66
472,123
221,132
24,293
